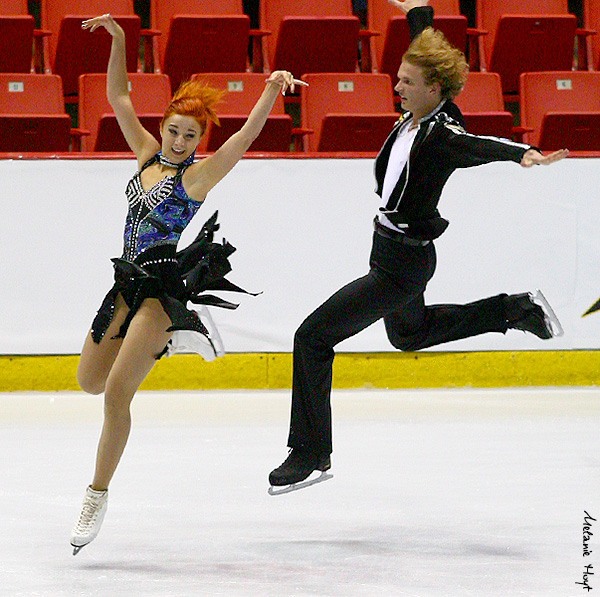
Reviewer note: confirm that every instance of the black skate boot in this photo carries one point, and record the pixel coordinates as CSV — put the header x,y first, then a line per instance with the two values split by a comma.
x,y
532,313
297,467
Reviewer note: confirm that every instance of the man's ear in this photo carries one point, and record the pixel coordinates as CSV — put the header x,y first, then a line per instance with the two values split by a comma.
x,y
436,87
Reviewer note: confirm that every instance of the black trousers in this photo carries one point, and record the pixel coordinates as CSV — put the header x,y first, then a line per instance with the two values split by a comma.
x,y
393,290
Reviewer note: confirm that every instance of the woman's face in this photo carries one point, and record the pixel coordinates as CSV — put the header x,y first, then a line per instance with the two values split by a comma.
x,y
180,137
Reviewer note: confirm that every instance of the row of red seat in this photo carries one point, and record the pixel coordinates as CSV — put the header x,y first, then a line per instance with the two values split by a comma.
x,y
304,37
511,37
339,112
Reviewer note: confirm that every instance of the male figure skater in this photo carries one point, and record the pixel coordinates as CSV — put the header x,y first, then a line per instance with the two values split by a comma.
x,y
424,148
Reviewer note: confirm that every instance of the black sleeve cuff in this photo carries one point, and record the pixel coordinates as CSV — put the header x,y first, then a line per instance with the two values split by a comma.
x,y
419,19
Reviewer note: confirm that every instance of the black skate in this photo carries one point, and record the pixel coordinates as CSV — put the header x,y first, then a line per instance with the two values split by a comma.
x,y
532,313
294,473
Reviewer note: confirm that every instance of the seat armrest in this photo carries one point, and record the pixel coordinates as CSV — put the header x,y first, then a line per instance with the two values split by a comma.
x,y
298,137
150,49
366,59
585,60
259,61
76,135
41,62
519,131
476,60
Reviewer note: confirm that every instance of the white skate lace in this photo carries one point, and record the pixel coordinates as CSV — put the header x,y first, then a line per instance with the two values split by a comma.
x,y
89,514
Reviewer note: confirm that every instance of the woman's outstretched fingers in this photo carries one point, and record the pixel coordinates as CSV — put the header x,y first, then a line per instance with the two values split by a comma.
x,y
104,20
286,80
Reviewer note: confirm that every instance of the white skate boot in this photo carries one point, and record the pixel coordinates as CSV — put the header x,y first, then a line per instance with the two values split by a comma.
x,y
90,520
187,341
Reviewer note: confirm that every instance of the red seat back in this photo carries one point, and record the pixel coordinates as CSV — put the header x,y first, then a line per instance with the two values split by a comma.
x,y
525,37
543,43
310,36
162,12
35,132
577,132
564,92
200,44
482,106
32,115
394,39
13,7
243,91
482,93
110,138
150,94
16,42
73,51
347,94
29,93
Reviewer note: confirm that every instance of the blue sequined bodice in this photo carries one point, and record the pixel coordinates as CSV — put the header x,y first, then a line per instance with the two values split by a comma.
x,y
158,216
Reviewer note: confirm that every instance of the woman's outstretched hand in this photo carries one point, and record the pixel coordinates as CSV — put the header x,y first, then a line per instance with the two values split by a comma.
x,y
532,157
408,5
105,21
285,80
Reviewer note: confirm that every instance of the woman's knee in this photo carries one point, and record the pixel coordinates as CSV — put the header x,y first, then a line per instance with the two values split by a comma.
x,y
117,397
91,383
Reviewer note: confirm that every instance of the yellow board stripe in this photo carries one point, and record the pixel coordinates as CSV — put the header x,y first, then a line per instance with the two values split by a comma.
x,y
351,370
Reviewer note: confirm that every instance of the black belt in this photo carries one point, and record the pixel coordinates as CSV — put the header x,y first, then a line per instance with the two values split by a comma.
x,y
398,237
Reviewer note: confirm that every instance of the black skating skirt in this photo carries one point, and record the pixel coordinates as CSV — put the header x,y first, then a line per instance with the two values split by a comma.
x,y
174,278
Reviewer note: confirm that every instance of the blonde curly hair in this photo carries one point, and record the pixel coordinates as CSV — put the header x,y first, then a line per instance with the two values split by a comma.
x,y
440,61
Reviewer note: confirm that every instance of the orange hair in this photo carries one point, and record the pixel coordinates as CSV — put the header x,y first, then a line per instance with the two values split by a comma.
x,y
196,99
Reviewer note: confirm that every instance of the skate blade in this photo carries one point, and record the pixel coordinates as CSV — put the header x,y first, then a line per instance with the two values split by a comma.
x,y
549,314
324,476
595,307
77,548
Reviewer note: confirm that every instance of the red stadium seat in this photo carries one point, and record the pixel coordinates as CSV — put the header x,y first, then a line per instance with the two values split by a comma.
x,y
150,95
32,114
577,132
310,36
243,90
482,106
72,51
525,37
16,37
347,111
199,36
389,47
566,103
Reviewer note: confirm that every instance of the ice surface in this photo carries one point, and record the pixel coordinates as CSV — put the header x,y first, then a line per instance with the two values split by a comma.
x,y
435,494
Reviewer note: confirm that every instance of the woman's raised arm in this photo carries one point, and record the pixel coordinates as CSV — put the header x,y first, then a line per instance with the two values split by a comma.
x,y
141,142
205,174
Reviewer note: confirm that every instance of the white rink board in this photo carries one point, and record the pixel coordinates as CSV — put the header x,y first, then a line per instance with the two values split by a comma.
x,y
302,228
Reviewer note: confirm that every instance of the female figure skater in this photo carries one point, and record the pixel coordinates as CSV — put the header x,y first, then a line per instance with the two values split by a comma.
x,y
421,152
147,302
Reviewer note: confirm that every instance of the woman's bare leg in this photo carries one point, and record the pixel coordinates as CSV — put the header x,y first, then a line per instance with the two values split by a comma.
x,y
145,338
97,359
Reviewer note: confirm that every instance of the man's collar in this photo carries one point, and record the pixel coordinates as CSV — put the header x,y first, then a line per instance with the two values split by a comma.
x,y
407,116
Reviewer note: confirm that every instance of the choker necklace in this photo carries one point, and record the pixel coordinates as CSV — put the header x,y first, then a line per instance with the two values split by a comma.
x,y
167,162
